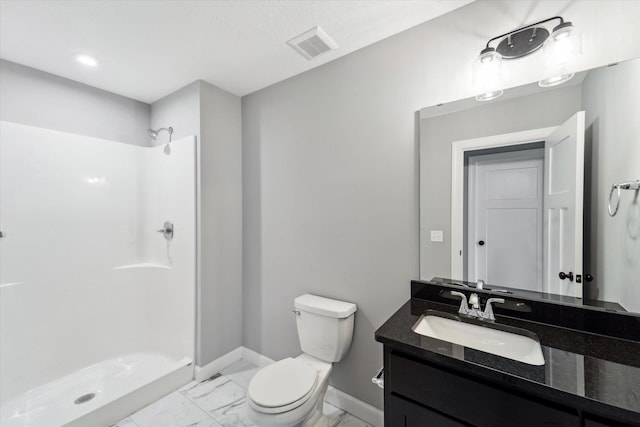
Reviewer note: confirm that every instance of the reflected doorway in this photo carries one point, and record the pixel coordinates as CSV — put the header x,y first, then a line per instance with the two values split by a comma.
x,y
504,216
563,186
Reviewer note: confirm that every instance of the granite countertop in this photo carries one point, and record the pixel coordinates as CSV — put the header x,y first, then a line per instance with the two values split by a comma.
x,y
582,369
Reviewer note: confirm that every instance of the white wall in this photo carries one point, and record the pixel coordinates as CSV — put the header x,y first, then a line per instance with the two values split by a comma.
x,y
610,97
33,97
213,115
330,167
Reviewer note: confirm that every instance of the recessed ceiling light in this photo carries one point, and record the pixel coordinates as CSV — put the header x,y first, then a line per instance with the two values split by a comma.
x,y
87,60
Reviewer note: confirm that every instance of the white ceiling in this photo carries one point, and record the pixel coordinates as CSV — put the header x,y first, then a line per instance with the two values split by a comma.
x,y
148,49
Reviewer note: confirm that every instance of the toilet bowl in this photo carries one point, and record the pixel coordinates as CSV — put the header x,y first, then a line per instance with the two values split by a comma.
x,y
291,392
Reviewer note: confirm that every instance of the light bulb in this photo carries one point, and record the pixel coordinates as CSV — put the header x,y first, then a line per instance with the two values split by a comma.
x,y
562,45
487,71
559,50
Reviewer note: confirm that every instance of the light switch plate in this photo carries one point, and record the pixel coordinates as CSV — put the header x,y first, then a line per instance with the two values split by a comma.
x,y
437,236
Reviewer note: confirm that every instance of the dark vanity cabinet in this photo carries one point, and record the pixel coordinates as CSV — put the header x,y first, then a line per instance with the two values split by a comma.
x,y
420,393
402,412
590,376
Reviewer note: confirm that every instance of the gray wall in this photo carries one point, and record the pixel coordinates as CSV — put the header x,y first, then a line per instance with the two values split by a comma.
x,y
33,97
611,99
436,135
331,203
220,313
330,172
180,110
213,115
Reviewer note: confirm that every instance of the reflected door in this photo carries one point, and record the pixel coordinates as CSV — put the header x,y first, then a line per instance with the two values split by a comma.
x,y
563,202
505,218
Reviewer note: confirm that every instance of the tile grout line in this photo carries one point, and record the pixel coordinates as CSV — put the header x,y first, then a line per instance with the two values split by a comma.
x,y
183,393
127,419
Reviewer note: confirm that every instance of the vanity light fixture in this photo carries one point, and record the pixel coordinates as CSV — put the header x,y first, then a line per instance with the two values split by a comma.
x,y
559,45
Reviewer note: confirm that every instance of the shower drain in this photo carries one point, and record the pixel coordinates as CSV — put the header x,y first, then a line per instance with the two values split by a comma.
x,y
84,398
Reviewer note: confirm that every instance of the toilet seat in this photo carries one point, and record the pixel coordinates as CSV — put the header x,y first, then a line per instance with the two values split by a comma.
x,y
282,386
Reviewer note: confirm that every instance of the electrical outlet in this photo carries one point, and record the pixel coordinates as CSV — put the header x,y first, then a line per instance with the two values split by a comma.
x,y
437,236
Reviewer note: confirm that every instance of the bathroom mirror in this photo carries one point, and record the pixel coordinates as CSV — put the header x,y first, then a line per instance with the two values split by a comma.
x,y
459,240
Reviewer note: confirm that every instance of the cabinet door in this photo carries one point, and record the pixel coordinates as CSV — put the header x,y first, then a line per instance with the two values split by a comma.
x,y
592,423
589,422
402,413
468,400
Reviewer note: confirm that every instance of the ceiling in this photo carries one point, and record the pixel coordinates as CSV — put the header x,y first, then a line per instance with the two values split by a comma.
x,y
147,49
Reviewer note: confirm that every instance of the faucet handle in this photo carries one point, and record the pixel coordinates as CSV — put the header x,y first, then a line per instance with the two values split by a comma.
x,y
464,308
488,308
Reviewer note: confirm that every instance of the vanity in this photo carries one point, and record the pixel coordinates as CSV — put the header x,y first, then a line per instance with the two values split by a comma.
x,y
589,375
563,348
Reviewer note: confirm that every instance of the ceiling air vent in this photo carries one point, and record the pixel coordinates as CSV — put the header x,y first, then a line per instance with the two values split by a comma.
x,y
312,43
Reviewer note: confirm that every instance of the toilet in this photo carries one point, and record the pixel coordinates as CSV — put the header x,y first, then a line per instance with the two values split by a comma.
x,y
291,392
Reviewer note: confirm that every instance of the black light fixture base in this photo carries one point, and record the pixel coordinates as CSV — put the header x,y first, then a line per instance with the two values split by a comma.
x,y
522,43
562,25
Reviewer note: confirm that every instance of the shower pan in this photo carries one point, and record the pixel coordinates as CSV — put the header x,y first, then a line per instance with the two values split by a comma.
x,y
96,309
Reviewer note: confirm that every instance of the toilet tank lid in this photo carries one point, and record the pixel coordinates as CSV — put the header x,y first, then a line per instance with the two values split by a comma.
x,y
324,306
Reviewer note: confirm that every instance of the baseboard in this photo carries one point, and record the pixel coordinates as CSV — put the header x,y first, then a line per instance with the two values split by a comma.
x,y
367,413
255,357
356,407
211,368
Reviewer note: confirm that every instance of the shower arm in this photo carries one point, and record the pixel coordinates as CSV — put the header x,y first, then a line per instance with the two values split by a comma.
x,y
169,129
153,133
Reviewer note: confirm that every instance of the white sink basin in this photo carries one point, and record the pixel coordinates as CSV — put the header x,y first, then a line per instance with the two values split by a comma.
x,y
501,343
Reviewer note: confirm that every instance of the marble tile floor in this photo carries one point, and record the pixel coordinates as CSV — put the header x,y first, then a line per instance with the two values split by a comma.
x,y
216,402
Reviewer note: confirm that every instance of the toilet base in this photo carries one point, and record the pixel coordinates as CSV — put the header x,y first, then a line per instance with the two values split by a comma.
x,y
310,413
318,418
322,422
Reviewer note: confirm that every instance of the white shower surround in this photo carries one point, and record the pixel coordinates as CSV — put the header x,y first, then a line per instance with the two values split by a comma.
x,y
91,296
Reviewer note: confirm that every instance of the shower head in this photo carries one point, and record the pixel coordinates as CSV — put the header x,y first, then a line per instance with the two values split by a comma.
x,y
153,133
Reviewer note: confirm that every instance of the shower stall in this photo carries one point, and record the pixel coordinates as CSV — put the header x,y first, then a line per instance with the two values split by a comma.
x,y
97,275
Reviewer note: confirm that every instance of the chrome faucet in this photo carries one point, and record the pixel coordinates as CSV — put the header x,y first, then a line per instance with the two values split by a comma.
x,y
464,308
475,310
488,308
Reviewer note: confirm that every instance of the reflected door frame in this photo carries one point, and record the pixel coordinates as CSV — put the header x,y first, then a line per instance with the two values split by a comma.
x,y
458,149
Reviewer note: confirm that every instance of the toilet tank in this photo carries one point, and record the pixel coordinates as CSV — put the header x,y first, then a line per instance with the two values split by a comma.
x,y
325,326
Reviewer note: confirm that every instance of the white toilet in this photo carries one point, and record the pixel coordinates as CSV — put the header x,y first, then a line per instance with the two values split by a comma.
x,y
291,391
